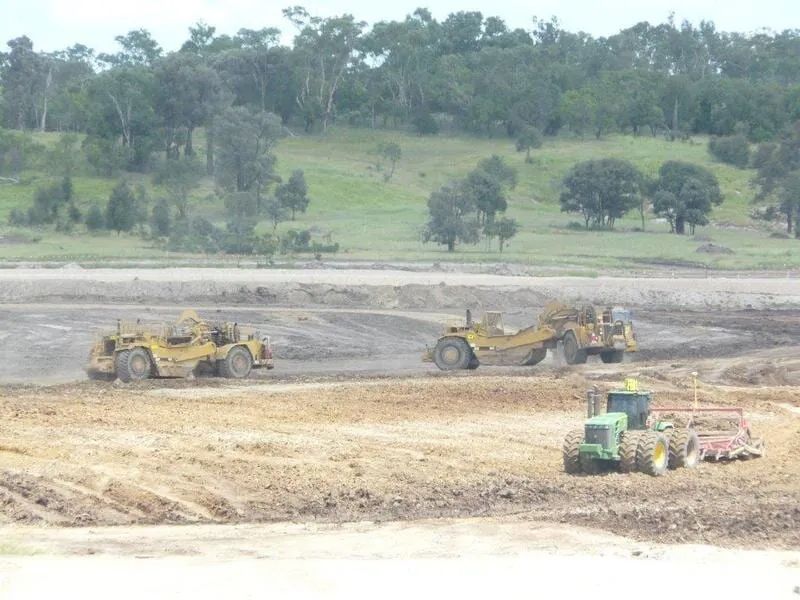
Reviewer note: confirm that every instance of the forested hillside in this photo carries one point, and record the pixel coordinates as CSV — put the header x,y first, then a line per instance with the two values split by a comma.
x,y
337,139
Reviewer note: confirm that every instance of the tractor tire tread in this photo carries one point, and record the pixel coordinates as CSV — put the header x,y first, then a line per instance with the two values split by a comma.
x,y
571,451
645,454
684,448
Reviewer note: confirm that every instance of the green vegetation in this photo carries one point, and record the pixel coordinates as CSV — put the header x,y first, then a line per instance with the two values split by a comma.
x,y
372,220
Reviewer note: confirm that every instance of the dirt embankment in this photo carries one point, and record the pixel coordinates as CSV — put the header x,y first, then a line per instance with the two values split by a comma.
x,y
373,449
385,289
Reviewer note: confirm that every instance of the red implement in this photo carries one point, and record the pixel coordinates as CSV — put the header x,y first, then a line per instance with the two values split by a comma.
x,y
724,433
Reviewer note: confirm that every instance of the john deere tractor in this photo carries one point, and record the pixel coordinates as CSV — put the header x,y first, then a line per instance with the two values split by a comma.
x,y
626,437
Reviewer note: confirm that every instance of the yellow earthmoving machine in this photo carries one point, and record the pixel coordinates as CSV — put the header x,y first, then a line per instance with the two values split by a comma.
x,y
585,331
581,332
135,351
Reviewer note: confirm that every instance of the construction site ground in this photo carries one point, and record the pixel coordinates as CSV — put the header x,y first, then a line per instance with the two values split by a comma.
x,y
351,427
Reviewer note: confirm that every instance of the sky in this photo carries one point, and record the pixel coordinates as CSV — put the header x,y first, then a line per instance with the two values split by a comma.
x,y
57,24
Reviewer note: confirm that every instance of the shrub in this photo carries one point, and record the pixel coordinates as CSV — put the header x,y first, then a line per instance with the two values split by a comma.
x,y
425,124
733,150
94,218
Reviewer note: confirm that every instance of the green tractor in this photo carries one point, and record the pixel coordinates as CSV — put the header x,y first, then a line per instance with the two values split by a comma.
x,y
626,437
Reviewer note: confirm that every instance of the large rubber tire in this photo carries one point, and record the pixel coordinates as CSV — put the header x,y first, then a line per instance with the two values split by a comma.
x,y
652,455
133,365
452,353
612,356
570,451
535,357
628,446
237,364
684,449
474,363
572,352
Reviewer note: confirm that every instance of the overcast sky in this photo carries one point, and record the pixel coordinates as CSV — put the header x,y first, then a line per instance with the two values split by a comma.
x,y
57,24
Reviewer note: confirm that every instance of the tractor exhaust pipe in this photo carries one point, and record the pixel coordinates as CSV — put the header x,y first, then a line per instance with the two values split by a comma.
x,y
594,402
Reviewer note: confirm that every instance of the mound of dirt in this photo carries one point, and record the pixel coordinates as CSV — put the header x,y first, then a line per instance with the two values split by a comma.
x,y
714,249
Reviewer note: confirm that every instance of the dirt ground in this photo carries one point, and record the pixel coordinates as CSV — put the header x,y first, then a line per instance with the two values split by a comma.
x,y
377,449
351,426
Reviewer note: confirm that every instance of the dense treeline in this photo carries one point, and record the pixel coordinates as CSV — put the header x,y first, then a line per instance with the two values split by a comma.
x,y
466,72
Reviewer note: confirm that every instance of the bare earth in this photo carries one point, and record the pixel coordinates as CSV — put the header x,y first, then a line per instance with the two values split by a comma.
x,y
352,444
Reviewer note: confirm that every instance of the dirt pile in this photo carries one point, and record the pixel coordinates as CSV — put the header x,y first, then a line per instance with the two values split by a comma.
x,y
376,289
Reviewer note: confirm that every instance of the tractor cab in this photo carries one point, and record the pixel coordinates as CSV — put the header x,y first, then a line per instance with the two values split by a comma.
x,y
635,404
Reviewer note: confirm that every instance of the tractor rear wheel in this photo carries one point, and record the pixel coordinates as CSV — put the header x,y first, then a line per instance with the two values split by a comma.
x,y
237,364
133,365
628,445
452,353
474,363
684,449
573,353
612,356
652,455
570,451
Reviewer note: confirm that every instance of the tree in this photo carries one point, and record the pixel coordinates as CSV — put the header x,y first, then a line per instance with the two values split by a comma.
x,y
121,110
503,229
22,77
528,138
293,195
488,184
325,48
276,212
188,93
451,218
789,196
137,48
733,150
121,209
391,152
777,163
685,193
601,190
179,177
94,218
160,220
244,142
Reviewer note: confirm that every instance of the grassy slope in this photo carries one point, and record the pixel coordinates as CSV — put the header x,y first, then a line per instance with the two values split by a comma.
x,y
372,219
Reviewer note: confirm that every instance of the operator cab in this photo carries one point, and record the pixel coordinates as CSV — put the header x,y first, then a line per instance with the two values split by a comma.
x,y
634,403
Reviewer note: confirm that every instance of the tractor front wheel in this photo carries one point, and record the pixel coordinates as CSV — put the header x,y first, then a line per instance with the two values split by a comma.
x,y
571,451
684,449
133,365
628,446
452,353
652,455
237,364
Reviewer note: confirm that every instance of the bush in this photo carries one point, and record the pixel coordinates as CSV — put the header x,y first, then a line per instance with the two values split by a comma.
x,y
733,150
160,221
94,218
17,218
104,155
300,241
425,124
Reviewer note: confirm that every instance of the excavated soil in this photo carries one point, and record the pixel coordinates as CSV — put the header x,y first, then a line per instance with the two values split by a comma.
x,y
351,425
379,449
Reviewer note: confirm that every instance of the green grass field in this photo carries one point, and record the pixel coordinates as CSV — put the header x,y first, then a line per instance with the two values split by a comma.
x,y
376,220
